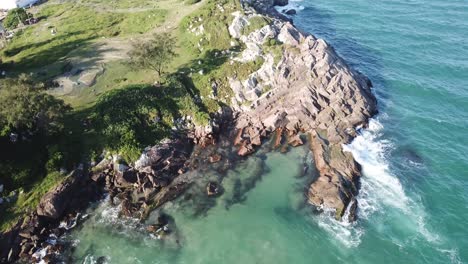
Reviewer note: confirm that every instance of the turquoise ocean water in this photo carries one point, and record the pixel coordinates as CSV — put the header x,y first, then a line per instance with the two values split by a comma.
x,y
414,196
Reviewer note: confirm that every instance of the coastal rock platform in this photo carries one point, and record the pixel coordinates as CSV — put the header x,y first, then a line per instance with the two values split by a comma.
x,y
311,90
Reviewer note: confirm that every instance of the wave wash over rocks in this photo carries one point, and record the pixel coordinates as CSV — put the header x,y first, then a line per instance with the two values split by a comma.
x,y
310,90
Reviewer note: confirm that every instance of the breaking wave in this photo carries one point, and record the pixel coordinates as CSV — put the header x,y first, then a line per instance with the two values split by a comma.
x,y
293,4
379,187
381,191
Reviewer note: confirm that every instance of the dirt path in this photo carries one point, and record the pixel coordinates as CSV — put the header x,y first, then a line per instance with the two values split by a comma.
x,y
110,49
117,48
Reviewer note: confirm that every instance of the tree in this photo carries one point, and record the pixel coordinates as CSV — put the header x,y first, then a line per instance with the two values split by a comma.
x,y
25,107
15,17
154,54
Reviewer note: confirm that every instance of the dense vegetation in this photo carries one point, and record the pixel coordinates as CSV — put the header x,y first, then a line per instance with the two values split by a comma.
x,y
26,108
30,120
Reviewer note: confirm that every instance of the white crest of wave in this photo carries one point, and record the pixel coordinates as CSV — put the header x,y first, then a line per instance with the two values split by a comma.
x,y
347,233
378,186
292,4
380,190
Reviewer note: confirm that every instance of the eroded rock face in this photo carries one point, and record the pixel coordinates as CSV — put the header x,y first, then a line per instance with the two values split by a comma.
x,y
66,195
57,212
311,90
153,180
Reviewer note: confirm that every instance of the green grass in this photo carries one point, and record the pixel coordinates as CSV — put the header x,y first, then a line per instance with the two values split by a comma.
x,y
116,75
123,4
76,26
215,23
255,23
274,48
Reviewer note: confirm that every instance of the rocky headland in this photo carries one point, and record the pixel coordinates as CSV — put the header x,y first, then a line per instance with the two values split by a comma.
x,y
305,89
303,92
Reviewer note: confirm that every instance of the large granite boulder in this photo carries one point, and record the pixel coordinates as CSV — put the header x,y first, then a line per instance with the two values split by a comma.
x,y
54,203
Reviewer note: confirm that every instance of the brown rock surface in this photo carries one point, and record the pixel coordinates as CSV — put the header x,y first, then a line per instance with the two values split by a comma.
x,y
310,89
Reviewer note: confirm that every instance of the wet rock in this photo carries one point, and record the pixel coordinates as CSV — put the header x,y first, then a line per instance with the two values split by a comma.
x,y
280,2
152,228
245,149
101,260
295,141
127,208
215,158
352,214
290,12
212,189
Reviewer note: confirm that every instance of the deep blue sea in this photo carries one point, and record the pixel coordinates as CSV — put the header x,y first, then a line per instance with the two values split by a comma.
x,y
414,154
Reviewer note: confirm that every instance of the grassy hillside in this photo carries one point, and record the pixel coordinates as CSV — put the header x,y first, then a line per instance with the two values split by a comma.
x,y
120,110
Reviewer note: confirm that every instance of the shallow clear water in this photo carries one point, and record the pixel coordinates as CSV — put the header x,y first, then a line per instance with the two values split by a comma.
x,y
414,196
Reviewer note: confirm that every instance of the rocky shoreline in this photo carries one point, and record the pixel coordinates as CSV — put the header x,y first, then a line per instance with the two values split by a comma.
x,y
303,88
311,90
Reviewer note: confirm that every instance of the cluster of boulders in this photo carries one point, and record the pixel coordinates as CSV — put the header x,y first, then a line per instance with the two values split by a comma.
x,y
34,237
149,182
138,189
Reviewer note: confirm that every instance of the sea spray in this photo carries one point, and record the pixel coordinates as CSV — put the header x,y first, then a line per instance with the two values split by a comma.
x,y
380,191
380,188
292,4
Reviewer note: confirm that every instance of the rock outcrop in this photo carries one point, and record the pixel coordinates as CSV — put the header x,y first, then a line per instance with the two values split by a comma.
x,y
53,204
56,213
311,90
153,180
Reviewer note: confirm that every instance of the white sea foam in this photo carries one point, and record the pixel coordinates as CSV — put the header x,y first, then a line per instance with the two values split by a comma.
x,y
293,4
347,233
452,254
379,187
380,191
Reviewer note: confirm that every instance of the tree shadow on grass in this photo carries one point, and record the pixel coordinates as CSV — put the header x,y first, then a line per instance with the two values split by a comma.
x,y
124,120
49,58
60,46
